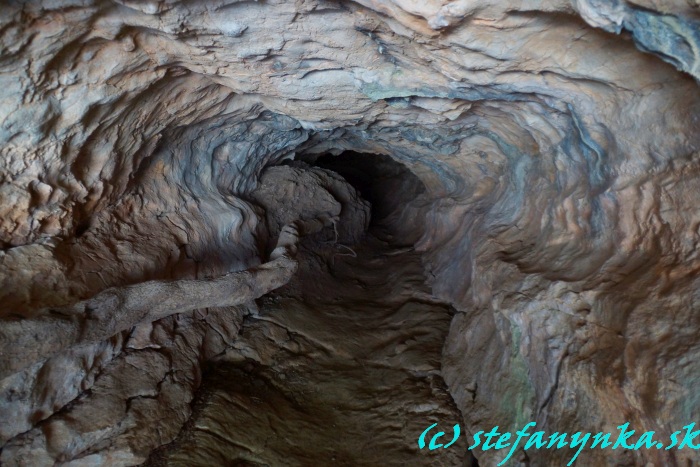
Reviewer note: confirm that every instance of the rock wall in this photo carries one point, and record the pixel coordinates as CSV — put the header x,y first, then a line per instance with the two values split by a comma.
x,y
551,206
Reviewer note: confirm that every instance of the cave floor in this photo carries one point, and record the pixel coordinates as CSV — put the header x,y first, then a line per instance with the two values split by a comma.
x,y
339,367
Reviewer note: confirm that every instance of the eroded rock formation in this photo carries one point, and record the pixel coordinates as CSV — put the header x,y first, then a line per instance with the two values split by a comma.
x,y
298,233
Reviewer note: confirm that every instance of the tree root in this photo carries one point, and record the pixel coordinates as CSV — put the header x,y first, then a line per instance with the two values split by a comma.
x,y
24,342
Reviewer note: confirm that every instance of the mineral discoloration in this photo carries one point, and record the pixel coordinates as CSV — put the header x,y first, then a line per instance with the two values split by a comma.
x,y
543,213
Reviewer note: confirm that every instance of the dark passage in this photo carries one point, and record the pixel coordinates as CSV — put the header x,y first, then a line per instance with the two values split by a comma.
x,y
392,189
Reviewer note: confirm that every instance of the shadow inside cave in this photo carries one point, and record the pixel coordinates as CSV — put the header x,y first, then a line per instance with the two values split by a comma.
x,y
342,365
390,187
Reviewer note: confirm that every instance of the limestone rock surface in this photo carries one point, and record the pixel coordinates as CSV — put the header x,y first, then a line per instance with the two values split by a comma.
x,y
300,232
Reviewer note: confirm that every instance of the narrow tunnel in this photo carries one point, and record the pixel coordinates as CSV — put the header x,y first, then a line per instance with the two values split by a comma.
x,y
353,338
387,185
363,233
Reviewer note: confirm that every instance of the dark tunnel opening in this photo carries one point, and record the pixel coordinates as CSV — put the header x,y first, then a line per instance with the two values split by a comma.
x,y
288,377
489,218
388,185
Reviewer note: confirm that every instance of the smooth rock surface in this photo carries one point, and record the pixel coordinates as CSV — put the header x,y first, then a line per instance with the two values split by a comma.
x,y
533,167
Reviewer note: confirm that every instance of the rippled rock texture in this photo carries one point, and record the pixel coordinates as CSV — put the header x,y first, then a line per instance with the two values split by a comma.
x,y
298,233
